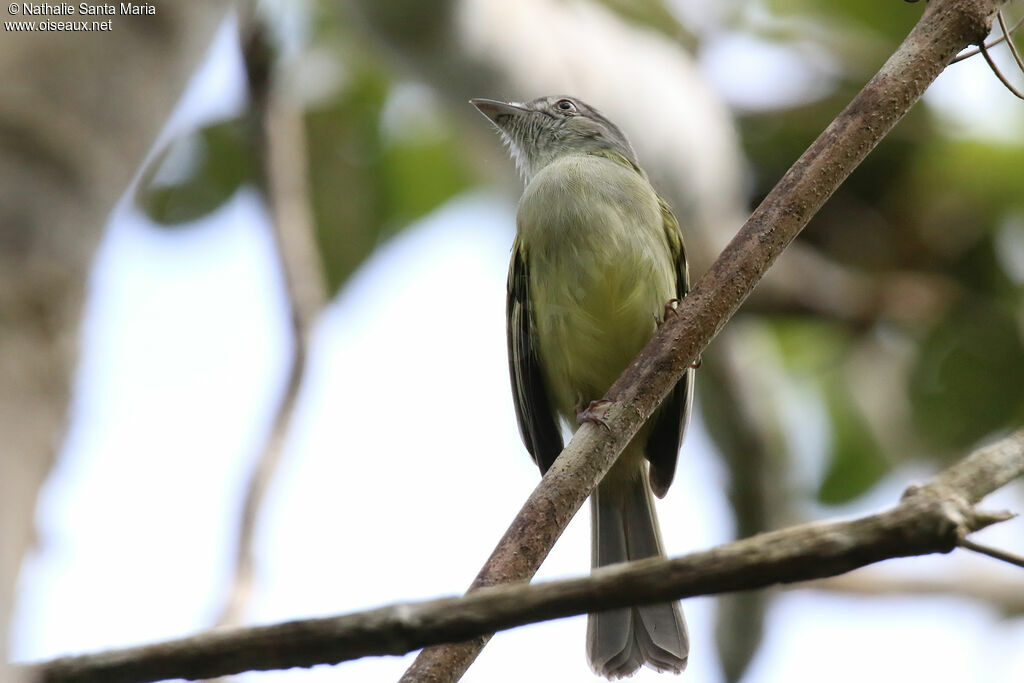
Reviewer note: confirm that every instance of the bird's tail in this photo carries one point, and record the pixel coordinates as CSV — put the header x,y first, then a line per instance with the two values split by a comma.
x,y
624,527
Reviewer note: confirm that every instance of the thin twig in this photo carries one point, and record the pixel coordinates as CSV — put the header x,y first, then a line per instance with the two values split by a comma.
x,y
945,28
995,553
999,74
1007,33
928,519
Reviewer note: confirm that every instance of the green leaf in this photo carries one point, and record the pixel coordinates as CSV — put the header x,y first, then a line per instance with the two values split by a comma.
x,y
816,351
344,148
985,177
856,462
195,174
968,379
653,14
810,346
366,185
419,176
981,271
884,17
988,172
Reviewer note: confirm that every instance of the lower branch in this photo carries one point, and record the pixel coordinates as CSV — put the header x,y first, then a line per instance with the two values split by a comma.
x,y
929,519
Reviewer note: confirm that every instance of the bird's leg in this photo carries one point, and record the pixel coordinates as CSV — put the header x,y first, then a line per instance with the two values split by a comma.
x,y
594,412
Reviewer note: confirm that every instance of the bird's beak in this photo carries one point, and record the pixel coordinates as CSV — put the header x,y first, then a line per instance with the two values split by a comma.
x,y
496,110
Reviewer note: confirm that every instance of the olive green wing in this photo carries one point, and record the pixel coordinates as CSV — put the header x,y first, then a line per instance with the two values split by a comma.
x,y
538,424
662,449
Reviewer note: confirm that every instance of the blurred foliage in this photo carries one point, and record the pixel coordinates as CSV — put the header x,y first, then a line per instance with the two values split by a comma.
x,y
928,201
968,378
813,352
367,181
928,204
856,463
652,14
367,185
196,173
882,17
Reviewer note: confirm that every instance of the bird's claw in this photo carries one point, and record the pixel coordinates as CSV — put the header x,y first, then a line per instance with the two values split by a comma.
x,y
671,308
594,412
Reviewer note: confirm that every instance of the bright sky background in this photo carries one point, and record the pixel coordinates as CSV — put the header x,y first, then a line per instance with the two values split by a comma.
x,y
404,464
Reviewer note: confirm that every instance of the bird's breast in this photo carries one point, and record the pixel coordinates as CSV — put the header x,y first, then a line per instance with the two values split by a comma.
x,y
600,272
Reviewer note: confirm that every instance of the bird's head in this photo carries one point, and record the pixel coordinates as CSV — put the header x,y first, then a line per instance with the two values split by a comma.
x,y
542,130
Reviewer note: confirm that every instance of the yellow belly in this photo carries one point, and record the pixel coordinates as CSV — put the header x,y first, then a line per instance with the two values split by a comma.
x,y
600,273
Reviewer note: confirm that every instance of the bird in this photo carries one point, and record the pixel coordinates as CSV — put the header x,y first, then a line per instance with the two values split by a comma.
x,y
597,264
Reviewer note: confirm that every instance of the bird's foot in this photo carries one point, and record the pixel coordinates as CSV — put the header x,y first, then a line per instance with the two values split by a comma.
x,y
697,363
670,309
595,412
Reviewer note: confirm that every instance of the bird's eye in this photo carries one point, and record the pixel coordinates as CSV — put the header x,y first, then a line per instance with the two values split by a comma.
x,y
566,105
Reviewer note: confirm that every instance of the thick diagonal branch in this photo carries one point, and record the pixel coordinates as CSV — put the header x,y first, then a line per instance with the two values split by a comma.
x,y
945,28
929,519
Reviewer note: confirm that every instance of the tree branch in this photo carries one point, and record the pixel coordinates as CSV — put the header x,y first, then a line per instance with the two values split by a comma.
x,y
929,519
944,29
278,137
994,553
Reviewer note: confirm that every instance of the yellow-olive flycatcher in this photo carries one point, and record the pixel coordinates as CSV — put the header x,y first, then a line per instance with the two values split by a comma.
x,y
597,259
